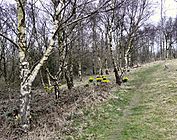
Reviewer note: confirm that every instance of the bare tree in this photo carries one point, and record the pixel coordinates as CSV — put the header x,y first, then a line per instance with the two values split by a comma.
x,y
110,42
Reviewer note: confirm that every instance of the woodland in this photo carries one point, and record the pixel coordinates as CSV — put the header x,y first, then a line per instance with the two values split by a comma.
x,y
53,54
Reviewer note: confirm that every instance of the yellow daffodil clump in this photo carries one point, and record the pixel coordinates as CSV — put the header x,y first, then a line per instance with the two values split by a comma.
x,y
104,77
125,79
105,81
99,79
91,79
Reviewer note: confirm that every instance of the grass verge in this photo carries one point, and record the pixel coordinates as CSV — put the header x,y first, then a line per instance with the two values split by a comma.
x,y
144,108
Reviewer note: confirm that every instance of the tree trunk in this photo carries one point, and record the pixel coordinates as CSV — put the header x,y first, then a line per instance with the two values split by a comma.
x,y
106,53
166,47
80,43
118,78
69,77
100,66
25,92
3,57
25,88
13,67
80,70
69,69
126,55
106,67
56,89
27,76
42,79
48,79
110,40
170,48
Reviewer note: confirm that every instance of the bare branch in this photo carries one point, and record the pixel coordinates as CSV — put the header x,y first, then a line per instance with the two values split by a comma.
x,y
10,40
21,5
51,76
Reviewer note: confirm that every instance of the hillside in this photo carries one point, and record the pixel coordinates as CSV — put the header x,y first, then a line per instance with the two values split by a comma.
x,y
143,108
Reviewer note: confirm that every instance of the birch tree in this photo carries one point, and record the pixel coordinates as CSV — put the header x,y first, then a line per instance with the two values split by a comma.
x,y
137,13
28,75
110,42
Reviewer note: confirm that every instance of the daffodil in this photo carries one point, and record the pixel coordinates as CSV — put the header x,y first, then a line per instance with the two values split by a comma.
x,y
105,81
91,79
125,79
99,79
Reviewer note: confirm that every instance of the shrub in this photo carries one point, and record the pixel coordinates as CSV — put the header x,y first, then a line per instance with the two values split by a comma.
x,y
125,79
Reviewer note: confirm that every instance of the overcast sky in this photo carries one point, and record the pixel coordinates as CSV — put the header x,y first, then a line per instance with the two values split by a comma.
x,y
170,9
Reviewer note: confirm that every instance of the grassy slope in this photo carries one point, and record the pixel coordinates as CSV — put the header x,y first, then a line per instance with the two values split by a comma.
x,y
145,108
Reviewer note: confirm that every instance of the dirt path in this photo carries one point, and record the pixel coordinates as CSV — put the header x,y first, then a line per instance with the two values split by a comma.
x,y
126,113
134,102
150,110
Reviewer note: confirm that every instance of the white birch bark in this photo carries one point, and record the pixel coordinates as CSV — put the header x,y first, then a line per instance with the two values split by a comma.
x,y
80,70
100,66
26,76
25,86
42,80
110,40
106,59
79,52
47,53
126,58
106,67
48,79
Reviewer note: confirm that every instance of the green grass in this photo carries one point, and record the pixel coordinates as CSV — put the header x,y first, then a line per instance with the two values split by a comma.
x,y
145,109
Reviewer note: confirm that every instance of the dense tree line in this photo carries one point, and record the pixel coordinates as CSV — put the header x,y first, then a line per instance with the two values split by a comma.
x,y
56,41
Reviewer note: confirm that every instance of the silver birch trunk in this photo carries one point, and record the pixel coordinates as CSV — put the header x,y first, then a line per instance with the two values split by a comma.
x,y
69,76
110,41
107,47
129,61
25,86
80,57
126,61
62,63
106,67
42,80
126,55
166,48
100,66
26,76
80,70
48,79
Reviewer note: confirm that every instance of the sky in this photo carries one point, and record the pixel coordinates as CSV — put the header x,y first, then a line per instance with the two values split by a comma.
x,y
170,9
